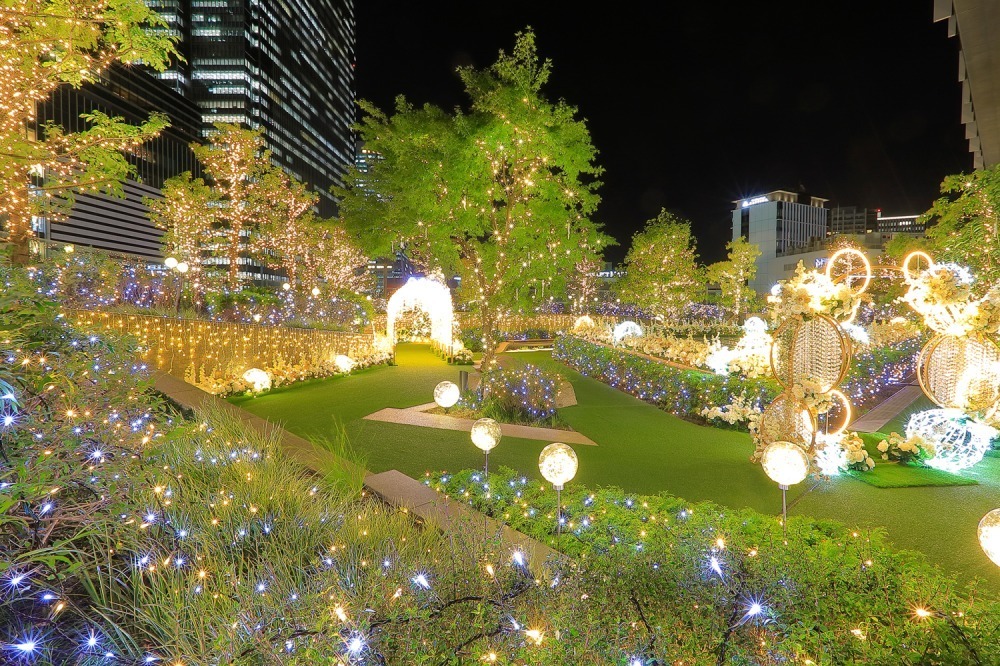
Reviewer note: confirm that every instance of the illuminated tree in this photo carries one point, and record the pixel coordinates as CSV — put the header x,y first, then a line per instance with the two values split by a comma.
x,y
967,223
187,214
235,162
581,289
500,193
734,274
333,256
45,44
661,270
282,237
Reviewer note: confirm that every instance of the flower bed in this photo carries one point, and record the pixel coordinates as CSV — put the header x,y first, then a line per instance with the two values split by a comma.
x,y
830,594
681,392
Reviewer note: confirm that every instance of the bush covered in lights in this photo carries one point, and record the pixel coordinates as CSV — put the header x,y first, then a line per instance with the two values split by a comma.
x,y
684,393
706,584
521,394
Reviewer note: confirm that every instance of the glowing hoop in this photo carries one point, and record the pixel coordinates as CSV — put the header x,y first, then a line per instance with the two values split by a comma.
x,y
838,396
816,349
850,274
916,254
788,419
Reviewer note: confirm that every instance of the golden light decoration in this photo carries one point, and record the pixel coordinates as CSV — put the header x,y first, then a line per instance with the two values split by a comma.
x,y
849,256
788,418
961,373
989,535
583,323
258,379
844,413
446,394
315,291
558,464
813,349
916,255
486,434
430,296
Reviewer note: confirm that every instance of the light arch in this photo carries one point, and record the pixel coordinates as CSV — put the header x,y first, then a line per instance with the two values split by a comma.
x,y
428,295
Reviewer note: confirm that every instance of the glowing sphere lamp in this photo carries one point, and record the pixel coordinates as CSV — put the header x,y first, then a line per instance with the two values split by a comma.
x,y
182,267
558,464
989,535
343,363
786,464
170,262
486,435
258,379
446,394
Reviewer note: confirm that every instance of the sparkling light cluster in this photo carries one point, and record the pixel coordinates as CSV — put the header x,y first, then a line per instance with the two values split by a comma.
x,y
430,296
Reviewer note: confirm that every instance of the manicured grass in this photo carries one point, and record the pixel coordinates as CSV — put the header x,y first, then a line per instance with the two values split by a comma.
x,y
894,475
641,449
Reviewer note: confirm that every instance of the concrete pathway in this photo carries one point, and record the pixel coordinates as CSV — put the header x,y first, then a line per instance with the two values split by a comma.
x,y
887,410
417,416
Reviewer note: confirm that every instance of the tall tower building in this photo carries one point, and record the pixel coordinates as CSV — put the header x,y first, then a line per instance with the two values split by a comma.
x,y
285,67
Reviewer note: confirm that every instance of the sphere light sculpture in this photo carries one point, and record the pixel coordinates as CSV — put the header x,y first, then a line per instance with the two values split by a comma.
x,y
558,464
958,441
989,535
446,394
343,363
627,329
786,464
258,379
486,434
170,262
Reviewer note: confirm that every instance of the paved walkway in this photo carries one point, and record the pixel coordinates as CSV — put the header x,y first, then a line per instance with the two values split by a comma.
x,y
887,410
418,416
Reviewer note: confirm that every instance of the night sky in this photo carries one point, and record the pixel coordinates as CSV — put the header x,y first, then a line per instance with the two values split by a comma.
x,y
693,105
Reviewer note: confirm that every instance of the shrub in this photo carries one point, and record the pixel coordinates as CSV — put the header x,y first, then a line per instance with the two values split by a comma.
x,y
681,392
707,584
521,394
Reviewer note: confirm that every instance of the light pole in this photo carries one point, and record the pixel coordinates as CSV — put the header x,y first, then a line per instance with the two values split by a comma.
x,y
179,267
786,464
558,464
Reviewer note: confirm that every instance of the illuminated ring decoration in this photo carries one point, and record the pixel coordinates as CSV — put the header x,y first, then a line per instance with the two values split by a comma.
x,y
950,368
843,253
838,396
816,349
916,254
788,419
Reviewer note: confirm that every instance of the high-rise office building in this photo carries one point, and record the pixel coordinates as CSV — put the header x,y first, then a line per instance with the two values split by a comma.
x,y
285,67
901,224
121,224
781,223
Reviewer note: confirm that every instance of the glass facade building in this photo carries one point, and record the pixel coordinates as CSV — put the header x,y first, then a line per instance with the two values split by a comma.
x,y
287,68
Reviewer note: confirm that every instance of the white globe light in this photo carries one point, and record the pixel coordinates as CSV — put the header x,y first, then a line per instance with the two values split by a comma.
x,y
446,394
486,434
258,379
315,291
182,267
558,464
286,286
958,442
627,329
170,262
989,535
785,463
343,363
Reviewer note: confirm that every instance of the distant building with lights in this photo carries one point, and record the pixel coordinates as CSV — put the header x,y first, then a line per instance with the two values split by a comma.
x,y
781,223
901,224
287,68
852,220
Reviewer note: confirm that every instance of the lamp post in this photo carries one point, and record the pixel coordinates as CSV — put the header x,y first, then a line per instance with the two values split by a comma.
x,y
786,464
558,464
179,267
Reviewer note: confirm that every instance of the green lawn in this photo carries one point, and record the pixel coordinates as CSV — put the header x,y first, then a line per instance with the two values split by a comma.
x,y
641,449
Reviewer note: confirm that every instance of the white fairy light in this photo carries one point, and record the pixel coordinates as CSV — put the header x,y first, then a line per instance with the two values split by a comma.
x,y
258,379
627,329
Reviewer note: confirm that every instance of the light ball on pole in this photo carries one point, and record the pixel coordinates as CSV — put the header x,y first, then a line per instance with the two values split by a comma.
x,y
989,535
170,262
486,434
446,394
558,464
785,463
286,286
182,267
315,291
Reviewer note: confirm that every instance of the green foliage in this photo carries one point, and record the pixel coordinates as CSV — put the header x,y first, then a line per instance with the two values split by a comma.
x,y
681,392
734,274
520,394
661,271
966,227
688,576
500,194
